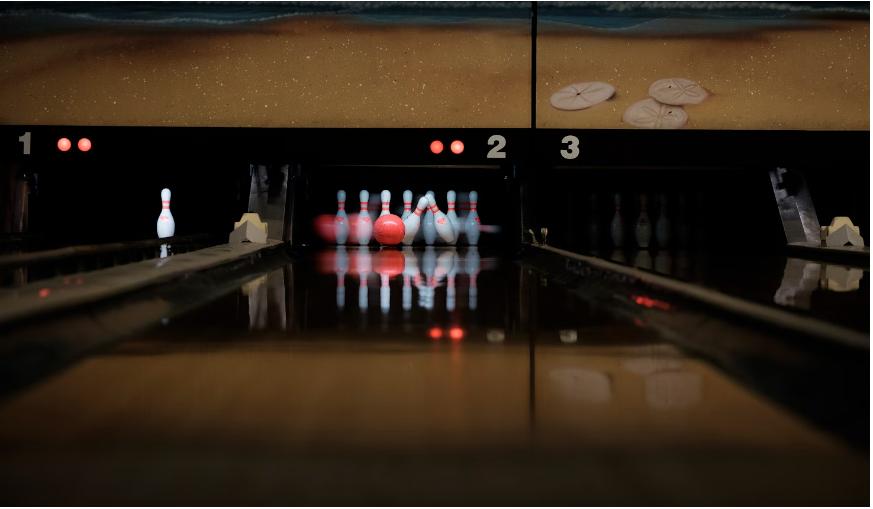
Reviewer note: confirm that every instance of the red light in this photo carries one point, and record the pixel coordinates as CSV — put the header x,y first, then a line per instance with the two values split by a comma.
x,y
44,292
457,147
64,144
651,303
456,333
435,333
84,144
436,146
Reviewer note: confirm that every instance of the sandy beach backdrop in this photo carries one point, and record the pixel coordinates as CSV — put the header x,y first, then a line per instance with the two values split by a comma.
x,y
312,72
345,71
811,78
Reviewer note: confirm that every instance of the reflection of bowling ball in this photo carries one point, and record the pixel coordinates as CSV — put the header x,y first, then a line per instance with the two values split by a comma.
x,y
389,230
389,262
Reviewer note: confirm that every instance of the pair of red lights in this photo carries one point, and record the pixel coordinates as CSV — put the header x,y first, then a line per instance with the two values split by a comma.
x,y
454,333
457,146
64,144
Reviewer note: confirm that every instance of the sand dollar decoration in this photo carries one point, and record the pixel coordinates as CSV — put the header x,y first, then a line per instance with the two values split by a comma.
x,y
579,96
654,115
677,91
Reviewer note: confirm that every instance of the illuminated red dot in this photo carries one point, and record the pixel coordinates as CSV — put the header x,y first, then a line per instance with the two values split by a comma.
x,y
436,146
457,147
435,333
456,333
64,144
44,292
84,144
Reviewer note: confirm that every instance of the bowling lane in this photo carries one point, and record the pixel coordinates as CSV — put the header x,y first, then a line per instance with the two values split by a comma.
x,y
466,377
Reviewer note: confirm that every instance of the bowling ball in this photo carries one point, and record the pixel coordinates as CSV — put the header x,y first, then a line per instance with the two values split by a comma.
x,y
389,230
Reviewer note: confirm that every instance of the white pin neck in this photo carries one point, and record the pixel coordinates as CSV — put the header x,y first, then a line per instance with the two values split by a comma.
x,y
165,198
422,204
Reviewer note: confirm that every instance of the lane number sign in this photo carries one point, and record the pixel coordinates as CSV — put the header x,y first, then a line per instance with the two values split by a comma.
x,y
571,148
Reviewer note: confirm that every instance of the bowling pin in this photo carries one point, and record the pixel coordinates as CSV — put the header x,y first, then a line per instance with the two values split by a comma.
x,y
407,204
341,268
471,267
662,224
166,224
365,223
428,227
386,203
643,227
453,216
471,225
440,222
616,228
412,223
341,221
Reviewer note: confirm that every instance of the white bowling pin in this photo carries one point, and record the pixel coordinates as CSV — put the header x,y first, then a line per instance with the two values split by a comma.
x,y
428,226
386,203
471,225
412,223
643,227
451,198
441,223
365,223
471,267
341,221
407,204
662,224
166,223
616,228
341,268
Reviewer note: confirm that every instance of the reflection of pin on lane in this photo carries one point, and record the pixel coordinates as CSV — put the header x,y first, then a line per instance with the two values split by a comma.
x,y
341,267
580,384
472,265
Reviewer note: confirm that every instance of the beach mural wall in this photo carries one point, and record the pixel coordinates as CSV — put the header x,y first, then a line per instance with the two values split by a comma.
x,y
286,64
608,65
703,65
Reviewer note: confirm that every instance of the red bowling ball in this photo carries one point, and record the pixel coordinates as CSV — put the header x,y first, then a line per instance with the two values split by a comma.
x,y
389,230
